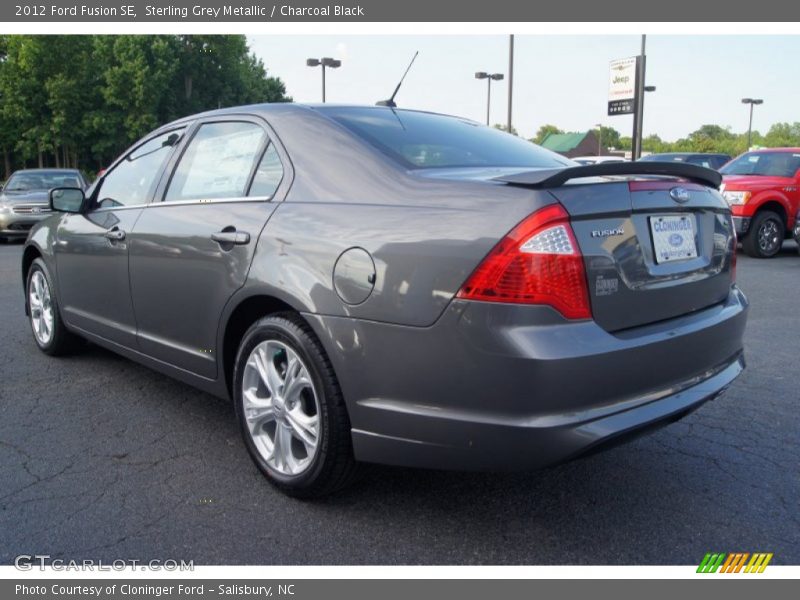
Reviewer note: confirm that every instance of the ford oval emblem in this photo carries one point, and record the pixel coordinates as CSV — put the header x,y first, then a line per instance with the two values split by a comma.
x,y
679,194
675,240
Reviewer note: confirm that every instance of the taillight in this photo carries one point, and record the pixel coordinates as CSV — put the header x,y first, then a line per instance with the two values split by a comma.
x,y
538,262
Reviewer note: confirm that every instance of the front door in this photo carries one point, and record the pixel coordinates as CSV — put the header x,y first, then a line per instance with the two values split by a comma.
x,y
91,248
191,251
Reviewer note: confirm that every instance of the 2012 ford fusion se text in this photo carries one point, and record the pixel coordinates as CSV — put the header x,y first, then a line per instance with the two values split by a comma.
x,y
370,284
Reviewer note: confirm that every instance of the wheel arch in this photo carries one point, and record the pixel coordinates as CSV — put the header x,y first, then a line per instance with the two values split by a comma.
x,y
776,205
30,254
240,317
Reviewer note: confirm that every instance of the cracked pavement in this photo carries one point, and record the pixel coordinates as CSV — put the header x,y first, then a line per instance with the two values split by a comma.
x,y
102,458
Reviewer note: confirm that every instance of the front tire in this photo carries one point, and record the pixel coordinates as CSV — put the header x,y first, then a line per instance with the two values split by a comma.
x,y
765,238
48,328
290,409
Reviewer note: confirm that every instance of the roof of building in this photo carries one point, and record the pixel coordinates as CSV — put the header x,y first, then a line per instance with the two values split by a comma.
x,y
563,142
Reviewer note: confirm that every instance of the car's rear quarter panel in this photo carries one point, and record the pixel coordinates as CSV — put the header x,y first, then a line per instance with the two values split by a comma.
x,y
425,236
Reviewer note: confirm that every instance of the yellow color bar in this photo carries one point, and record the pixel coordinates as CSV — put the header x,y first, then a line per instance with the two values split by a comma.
x,y
765,563
752,562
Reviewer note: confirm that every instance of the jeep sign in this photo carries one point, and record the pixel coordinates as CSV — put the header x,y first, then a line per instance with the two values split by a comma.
x,y
622,86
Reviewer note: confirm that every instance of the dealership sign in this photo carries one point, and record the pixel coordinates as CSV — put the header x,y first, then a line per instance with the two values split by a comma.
x,y
622,86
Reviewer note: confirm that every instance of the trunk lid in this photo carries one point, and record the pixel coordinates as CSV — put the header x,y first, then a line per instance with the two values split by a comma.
x,y
653,249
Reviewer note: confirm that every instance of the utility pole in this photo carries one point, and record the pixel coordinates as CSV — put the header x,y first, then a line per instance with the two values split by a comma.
x,y
510,78
599,139
638,115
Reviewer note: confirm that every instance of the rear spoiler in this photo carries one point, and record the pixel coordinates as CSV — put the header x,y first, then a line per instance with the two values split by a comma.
x,y
549,178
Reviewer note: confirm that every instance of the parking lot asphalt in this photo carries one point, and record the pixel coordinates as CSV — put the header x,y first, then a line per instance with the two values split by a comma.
x,y
102,458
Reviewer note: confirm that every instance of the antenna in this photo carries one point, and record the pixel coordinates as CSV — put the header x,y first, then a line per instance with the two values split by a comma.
x,y
390,101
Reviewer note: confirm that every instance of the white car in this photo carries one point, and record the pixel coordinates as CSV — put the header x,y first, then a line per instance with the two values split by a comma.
x,y
595,160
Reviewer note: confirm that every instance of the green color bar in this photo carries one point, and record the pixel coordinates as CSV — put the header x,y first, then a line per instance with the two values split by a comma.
x,y
703,563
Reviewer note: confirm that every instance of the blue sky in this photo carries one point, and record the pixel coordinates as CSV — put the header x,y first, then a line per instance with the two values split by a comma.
x,y
559,79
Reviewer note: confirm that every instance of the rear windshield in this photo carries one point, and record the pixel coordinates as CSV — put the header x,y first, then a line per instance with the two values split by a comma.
x,y
775,164
419,140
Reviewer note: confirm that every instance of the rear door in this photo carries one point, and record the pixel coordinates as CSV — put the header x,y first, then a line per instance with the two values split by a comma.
x,y
653,249
191,250
91,248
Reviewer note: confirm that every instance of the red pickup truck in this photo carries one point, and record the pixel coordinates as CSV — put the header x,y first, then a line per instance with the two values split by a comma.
x,y
763,190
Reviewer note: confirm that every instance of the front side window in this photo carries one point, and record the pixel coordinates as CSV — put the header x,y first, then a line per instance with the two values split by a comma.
x,y
217,163
131,182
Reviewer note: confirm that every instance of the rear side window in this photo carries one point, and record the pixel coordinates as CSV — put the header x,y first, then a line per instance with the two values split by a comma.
x,y
131,181
268,174
419,140
217,162
702,161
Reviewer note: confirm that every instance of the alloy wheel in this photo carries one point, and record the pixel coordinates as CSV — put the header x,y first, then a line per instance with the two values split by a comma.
x,y
281,407
768,236
41,308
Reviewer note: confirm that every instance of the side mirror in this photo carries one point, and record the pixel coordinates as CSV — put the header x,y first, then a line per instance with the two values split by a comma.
x,y
67,199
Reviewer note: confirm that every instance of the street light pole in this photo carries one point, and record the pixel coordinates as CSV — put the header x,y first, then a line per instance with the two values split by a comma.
x,y
599,138
323,62
752,102
489,78
510,78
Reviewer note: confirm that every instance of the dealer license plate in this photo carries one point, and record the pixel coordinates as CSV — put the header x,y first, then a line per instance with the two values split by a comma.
x,y
673,237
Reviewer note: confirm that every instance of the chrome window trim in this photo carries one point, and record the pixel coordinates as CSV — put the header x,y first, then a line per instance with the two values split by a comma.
x,y
210,201
110,208
186,203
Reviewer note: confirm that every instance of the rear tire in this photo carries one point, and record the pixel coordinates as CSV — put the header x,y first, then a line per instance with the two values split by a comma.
x,y
48,328
765,238
290,409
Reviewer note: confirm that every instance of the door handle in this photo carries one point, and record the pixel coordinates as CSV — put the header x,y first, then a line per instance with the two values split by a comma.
x,y
237,238
115,234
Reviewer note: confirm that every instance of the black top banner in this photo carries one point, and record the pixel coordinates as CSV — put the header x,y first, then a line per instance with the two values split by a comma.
x,y
399,11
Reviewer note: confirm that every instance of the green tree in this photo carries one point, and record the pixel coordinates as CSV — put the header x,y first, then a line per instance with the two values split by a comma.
x,y
653,143
782,135
609,137
712,138
505,128
80,100
544,131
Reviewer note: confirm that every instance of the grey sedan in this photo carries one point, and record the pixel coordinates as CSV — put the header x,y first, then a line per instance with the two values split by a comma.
x,y
23,201
369,284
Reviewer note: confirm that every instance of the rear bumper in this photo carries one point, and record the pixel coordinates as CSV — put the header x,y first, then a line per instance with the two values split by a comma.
x,y
741,224
501,387
464,445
